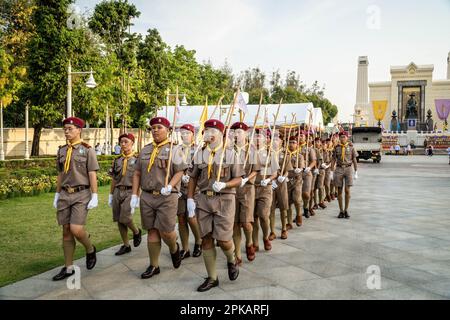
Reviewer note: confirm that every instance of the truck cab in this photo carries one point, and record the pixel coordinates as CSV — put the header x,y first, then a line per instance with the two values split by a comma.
x,y
367,142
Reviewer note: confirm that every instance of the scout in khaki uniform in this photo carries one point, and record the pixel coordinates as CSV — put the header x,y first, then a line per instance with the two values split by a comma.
x,y
215,203
263,191
327,161
309,155
315,172
122,171
295,180
158,201
188,148
280,191
344,156
76,193
319,191
245,194
333,188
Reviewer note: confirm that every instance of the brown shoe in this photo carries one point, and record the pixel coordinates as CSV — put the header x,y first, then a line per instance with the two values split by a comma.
x,y
328,199
250,253
311,212
238,261
315,207
284,234
256,248
332,197
267,245
272,236
289,226
322,205
298,221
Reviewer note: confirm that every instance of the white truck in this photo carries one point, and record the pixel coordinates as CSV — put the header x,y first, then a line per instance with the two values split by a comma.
x,y
367,142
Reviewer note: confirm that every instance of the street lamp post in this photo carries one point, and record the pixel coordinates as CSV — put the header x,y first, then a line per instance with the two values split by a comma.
x,y
90,83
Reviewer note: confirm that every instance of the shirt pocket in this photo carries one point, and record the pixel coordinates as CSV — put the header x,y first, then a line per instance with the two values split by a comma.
x,y
80,162
225,173
163,161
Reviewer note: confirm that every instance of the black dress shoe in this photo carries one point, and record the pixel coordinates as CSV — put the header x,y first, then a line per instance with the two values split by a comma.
x,y
137,238
150,272
176,257
341,215
63,274
123,250
306,213
346,215
91,259
208,284
197,250
184,254
233,270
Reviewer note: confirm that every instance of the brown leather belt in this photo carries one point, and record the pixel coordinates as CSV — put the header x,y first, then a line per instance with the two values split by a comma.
x,y
70,189
345,166
157,192
123,188
212,193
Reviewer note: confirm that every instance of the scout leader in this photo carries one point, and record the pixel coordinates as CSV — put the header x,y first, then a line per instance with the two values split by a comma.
x,y
188,149
159,201
307,178
215,203
328,152
76,193
344,156
263,184
319,190
245,193
122,171
280,191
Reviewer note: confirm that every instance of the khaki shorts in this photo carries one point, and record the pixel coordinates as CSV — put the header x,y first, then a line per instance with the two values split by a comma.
x,y
343,174
72,207
327,181
263,201
121,206
295,191
280,197
245,204
320,179
182,206
215,215
307,179
159,212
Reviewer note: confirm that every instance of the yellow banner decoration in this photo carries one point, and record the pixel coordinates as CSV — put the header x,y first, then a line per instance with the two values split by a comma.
x,y
379,109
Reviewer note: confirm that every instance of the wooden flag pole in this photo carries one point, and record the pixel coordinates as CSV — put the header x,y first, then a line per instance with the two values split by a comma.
x,y
307,137
253,130
217,106
287,144
171,138
271,140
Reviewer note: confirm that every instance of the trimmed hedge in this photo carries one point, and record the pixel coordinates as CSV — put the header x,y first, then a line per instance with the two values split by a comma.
x,y
42,162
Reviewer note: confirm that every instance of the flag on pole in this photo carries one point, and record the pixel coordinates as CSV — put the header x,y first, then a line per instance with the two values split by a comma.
x,y
240,103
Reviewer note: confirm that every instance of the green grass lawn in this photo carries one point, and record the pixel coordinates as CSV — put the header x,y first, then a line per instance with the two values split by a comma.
x,y
31,240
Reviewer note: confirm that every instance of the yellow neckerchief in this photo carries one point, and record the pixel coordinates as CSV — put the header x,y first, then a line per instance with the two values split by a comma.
x,y
125,162
240,149
291,153
343,146
156,148
212,153
187,150
69,154
300,147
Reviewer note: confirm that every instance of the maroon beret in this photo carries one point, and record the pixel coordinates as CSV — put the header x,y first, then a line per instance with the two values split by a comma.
x,y
293,138
343,133
189,127
160,120
239,125
214,123
127,135
75,121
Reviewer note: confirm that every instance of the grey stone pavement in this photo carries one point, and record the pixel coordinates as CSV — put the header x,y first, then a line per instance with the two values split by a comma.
x,y
400,222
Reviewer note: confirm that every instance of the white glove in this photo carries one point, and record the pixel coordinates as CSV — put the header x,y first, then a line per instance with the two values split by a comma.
x,y
55,200
265,182
307,170
298,170
185,179
244,181
166,191
281,179
191,207
323,166
179,195
316,172
218,186
132,211
274,185
356,175
134,203
332,175
94,202
110,200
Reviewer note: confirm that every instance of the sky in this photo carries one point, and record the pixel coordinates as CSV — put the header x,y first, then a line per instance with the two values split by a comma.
x,y
320,40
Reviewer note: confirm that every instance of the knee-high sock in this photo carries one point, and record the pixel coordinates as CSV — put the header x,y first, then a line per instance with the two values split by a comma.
x,y
289,216
86,242
248,236
255,233
171,243
347,200
321,195
237,239
283,218
272,220
196,231
154,250
69,249
184,235
123,230
209,256
230,254
298,211
265,228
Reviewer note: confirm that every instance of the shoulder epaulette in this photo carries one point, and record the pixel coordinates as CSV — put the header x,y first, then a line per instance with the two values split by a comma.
x,y
84,144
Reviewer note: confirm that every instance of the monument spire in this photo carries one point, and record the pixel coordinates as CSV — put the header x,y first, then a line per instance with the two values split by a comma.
x,y
448,66
362,91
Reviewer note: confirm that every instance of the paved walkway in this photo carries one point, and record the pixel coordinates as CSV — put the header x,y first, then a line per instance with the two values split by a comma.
x,y
400,222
